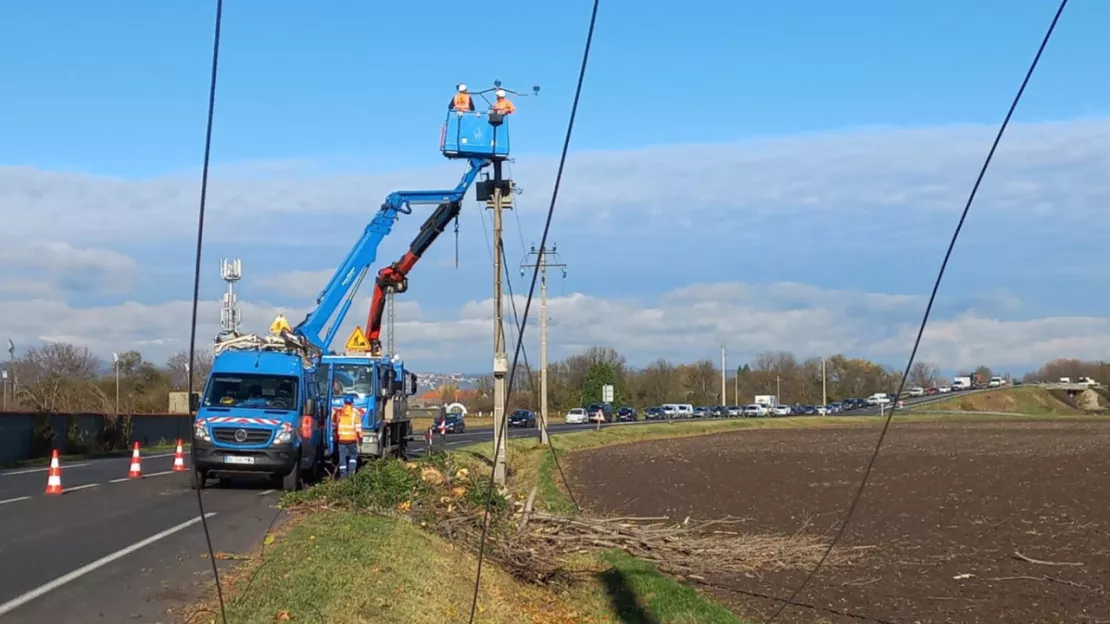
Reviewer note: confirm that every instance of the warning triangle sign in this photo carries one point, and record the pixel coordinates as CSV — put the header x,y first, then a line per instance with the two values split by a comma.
x,y
357,341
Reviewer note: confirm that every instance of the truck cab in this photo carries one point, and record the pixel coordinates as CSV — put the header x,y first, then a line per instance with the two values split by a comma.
x,y
379,388
258,415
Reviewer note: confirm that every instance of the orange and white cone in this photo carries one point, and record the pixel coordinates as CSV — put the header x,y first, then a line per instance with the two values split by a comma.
x,y
179,458
54,475
136,471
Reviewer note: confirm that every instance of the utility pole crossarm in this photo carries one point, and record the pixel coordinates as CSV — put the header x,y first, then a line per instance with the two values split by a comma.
x,y
542,264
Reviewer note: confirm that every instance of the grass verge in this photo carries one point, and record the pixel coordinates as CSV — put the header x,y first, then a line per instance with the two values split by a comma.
x,y
344,566
1028,401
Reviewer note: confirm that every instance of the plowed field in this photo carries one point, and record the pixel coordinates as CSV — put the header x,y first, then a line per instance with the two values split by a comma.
x,y
945,527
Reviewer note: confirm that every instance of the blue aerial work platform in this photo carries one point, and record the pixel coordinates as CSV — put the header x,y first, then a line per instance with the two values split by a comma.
x,y
475,134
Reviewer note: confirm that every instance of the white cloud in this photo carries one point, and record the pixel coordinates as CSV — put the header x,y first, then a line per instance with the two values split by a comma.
x,y
299,284
40,266
684,324
814,243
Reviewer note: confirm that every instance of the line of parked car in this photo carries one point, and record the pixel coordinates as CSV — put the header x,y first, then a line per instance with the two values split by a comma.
x,y
602,413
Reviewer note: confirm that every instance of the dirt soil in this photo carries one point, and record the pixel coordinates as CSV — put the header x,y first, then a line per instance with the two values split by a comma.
x,y
946,509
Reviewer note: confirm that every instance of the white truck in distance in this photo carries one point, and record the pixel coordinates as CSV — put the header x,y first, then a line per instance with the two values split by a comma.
x,y
767,400
962,382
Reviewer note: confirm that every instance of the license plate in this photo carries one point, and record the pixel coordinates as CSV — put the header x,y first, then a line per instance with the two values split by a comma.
x,y
233,459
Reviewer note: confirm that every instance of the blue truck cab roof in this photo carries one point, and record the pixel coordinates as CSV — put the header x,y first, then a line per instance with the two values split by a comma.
x,y
259,362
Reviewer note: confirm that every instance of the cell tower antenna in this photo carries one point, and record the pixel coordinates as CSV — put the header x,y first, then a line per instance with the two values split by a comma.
x,y
231,271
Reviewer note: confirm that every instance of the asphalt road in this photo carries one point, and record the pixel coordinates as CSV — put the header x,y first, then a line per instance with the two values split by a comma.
x,y
114,549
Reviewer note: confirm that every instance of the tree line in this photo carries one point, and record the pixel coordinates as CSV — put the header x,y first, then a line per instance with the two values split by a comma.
x,y
67,378
577,381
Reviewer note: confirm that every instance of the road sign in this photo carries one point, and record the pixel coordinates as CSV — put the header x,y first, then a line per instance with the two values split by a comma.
x,y
607,393
357,342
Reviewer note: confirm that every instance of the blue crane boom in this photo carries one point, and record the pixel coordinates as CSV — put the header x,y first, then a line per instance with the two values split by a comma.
x,y
340,289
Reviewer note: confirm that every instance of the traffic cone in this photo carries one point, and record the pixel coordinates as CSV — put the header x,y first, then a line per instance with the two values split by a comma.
x,y
54,475
179,458
136,471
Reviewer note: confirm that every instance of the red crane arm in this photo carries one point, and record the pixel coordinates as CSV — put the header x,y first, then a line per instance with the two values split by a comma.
x,y
395,276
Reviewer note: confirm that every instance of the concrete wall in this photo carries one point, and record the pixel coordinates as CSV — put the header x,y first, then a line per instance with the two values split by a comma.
x,y
18,440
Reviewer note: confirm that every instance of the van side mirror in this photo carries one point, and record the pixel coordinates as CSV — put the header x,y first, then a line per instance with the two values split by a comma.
x,y
412,380
194,402
310,407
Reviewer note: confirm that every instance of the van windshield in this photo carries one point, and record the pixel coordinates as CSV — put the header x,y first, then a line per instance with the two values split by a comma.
x,y
251,391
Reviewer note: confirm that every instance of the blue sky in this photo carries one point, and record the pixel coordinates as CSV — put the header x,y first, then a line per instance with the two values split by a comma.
x,y
825,144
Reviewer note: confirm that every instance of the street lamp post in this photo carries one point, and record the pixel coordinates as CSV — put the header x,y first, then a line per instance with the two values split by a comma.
x,y
115,361
824,393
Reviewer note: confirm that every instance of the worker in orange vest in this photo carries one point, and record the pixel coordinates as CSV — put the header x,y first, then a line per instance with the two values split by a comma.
x,y
503,105
348,432
462,100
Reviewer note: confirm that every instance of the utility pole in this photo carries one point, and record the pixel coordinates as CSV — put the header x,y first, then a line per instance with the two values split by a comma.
x,y
542,263
778,388
500,199
724,378
824,387
736,389
115,361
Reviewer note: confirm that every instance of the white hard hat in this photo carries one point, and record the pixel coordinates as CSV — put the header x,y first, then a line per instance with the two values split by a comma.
x,y
462,86
500,93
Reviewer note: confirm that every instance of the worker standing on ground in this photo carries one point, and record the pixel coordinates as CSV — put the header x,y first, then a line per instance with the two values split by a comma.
x,y
462,100
348,431
503,105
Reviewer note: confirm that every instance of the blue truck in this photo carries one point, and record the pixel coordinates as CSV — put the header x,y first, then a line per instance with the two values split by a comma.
x,y
268,402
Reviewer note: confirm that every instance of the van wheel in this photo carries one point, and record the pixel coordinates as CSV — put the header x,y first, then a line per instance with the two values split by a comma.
x,y
200,479
292,481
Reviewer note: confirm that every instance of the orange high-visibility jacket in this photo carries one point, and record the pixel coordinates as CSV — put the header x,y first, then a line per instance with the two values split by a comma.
x,y
463,102
503,106
348,424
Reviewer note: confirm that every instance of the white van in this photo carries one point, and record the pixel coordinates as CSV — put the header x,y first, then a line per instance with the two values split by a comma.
x,y
679,410
879,398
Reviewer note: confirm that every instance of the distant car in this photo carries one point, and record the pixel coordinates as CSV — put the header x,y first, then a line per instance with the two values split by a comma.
x,y
600,412
654,413
755,409
701,412
576,416
522,418
455,424
781,410
627,414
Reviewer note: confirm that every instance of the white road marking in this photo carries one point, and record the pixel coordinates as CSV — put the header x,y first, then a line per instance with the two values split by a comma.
x,y
79,487
23,599
32,470
153,474
14,500
154,456
66,466
265,492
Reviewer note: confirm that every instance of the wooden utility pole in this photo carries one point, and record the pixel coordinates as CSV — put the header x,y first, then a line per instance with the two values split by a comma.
x,y
542,255
500,200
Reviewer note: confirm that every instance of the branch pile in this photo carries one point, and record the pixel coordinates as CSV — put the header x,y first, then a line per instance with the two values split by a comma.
x,y
536,548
